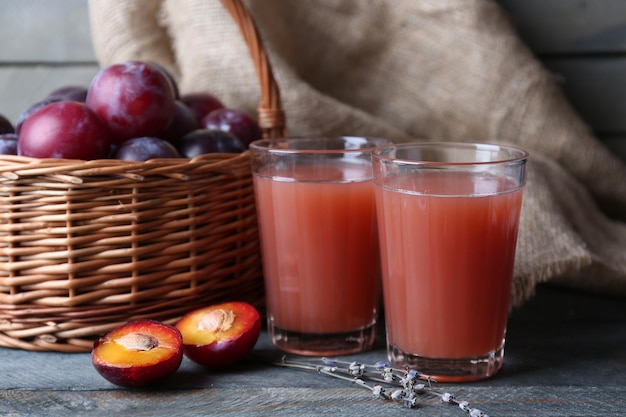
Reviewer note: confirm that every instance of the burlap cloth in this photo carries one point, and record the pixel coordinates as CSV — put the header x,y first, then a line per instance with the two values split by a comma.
x,y
406,69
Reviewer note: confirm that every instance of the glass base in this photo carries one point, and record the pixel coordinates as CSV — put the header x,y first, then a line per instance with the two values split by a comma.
x,y
450,370
325,344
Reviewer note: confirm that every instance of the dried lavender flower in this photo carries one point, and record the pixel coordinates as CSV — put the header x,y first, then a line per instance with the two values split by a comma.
x,y
403,385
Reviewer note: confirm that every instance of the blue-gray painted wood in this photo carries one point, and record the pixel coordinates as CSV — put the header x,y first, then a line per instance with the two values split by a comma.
x,y
34,31
583,43
565,356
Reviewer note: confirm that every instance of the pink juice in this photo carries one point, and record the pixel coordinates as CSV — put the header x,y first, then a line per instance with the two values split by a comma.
x,y
448,257
320,250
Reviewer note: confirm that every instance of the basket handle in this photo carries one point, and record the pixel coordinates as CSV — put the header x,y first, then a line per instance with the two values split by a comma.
x,y
271,114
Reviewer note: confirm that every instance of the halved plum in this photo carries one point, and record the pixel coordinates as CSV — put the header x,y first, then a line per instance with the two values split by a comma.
x,y
220,335
138,353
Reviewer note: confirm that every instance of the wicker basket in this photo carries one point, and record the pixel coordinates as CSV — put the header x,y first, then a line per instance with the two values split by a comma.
x,y
88,245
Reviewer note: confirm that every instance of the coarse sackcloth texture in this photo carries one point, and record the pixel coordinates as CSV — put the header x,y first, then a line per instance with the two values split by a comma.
x,y
451,70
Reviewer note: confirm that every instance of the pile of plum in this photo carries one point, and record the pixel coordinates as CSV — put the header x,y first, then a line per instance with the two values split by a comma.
x,y
130,111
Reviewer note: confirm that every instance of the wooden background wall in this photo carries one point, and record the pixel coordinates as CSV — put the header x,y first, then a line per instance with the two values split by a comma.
x,y
46,44
583,42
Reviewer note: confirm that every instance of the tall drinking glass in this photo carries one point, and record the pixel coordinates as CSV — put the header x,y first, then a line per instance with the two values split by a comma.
x,y
448,216
319,239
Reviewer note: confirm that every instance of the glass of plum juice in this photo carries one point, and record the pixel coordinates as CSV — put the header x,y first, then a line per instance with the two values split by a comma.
x,y
448,216
319,239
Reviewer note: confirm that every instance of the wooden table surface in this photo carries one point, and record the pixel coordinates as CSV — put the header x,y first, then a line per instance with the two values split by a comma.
x,y
565,356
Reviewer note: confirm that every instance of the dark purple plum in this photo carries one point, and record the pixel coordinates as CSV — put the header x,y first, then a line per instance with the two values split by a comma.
x,y
235,122
145,148
203,141
8,144
201,104
5,125
64,129
183,122
133,98
70,92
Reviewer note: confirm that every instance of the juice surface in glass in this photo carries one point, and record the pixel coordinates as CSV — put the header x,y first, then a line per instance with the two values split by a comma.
x,y
448,251
320,249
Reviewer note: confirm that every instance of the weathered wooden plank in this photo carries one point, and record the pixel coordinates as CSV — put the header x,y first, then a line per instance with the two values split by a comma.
x,y
21,87
570,27
43,30
295,401
45,45
584,44
565,357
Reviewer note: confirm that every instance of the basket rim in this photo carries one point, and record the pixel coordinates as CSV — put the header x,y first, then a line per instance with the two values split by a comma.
x,y
19,167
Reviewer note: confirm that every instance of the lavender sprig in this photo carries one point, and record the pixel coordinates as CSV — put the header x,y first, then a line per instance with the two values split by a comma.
x,y
392,384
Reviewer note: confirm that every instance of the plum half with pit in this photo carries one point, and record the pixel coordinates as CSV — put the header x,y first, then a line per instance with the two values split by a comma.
x,y
220,335
139,353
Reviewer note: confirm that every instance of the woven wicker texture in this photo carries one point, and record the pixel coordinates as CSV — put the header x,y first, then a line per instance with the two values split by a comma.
x,y
88,245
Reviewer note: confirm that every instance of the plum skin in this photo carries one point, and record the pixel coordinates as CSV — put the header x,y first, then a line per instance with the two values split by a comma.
x,y
6,126
32,109
64,129
227,350
202,141
235,122
183,122
133,98
8,144
222,354
70,92
145,148
201,104
138,376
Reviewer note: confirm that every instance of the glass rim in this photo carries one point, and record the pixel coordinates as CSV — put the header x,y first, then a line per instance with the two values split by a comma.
x,y
260,145
521,154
